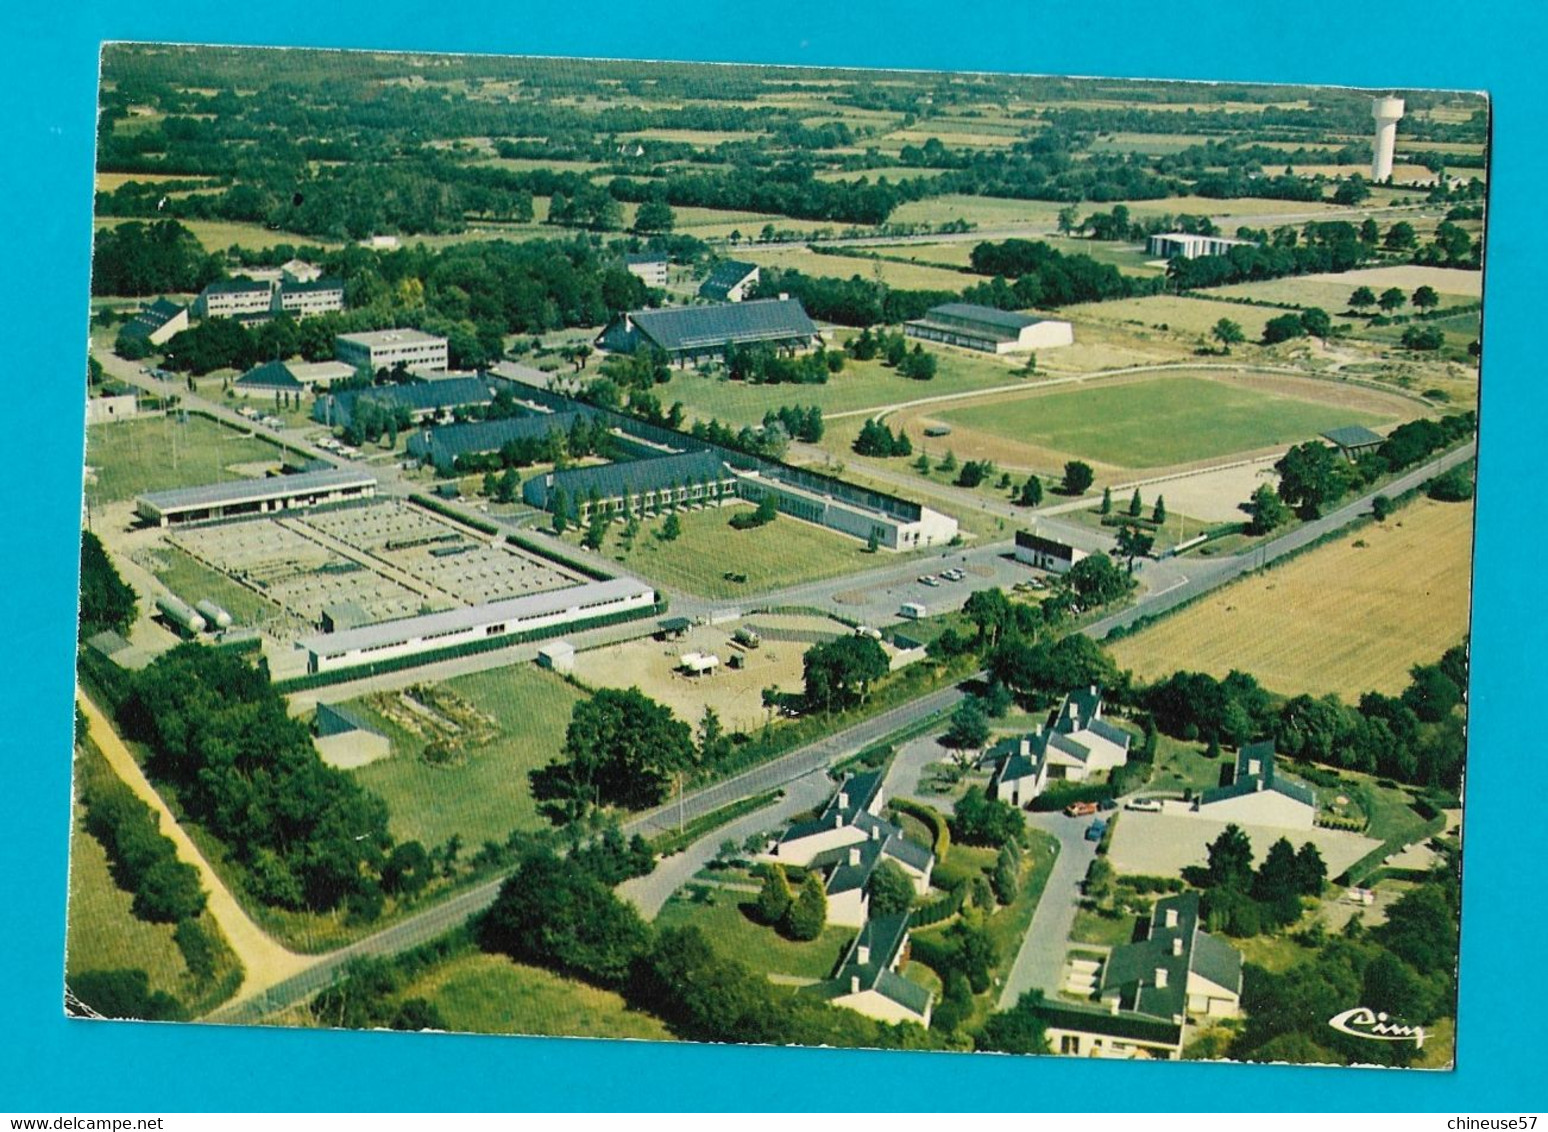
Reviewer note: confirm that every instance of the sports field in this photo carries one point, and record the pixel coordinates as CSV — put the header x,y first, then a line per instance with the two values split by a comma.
x,y
1350,617
1155,423
486,795
489,994
155,453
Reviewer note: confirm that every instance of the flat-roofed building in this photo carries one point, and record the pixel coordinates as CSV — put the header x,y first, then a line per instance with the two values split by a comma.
x,y
383,349
235,298
113,407
492,622
253,497
689,334
299,271
157,323
1190,245
649,267
974,327
1046,553
302,300
730,281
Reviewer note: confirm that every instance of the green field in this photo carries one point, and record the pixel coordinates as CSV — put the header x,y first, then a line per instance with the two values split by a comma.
x,y
1156,423
193,581
218,235
489,994
907,276
783,553
155,453
861,386
1182,766
487,795
1180,314
717,913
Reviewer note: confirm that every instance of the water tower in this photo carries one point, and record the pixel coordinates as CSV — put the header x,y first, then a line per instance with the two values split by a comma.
x,y
1387,112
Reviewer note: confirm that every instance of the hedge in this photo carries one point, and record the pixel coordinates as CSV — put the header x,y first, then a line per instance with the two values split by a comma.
x,y
939,830
579,567
1061,794
935,912
455,516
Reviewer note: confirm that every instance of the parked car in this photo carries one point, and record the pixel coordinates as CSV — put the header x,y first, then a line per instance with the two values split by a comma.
x,y
930,580
1144,805
1095,830
1108,804
1080,809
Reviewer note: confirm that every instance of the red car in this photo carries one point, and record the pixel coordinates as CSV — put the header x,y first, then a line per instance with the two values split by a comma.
x,y
1080,809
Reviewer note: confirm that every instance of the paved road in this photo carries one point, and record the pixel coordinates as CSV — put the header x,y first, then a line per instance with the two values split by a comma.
x,y
1040,962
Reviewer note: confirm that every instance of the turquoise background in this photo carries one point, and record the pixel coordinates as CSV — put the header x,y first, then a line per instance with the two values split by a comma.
x,y
49,1064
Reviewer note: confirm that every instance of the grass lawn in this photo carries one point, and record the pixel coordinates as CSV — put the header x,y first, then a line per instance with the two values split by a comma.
x,y
1182,766
862,386
155,453
1406,582
783,553
193,581
1273,952
1155,423
909,276
487,795
718,913
1104,931
489,994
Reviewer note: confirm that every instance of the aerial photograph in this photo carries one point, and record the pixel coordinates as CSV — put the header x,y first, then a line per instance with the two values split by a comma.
x,y
776,555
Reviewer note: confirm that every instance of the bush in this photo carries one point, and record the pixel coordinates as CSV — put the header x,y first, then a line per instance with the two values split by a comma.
x,y
808,913
1456,486
981,820
125,993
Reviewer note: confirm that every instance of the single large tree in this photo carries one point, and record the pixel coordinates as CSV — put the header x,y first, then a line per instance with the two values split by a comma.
x,y
1078,477
623,748
1362,298
808,912
838,673
1228,334
1230,860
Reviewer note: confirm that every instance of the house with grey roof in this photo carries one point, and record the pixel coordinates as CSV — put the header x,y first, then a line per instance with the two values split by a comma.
x,y
157,323
290,377
1020,769
1075,744
1177,971
730,281
835,826
443,444
692,334
422,400
1354,440
974,327
870,979
643,486
1260,794
1079,1030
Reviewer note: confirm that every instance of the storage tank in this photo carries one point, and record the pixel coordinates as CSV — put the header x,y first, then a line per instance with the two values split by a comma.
x,y
214,614
181,615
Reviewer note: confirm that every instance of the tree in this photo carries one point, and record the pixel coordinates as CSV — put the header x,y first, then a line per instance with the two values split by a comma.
x,y
775,897
1276,877
1424,298
1095,580
654,216
1381,507
949,463
169,892
1006,874
1268,511
1134,543
1310,870
969,728
107,601
505,490
1135,505
621,747
1078,477
1431,695
1362,299
1228,334
672,529
1391,299
808,912
1311,477
1230,860
1401,236
125,993
1017,1030
1158,512
922,465
838,673
407,869
1031,492
1353,191
1283,328
1422,338
561,509
990,611
1107,500
596,530
982,820
892,892
1316,322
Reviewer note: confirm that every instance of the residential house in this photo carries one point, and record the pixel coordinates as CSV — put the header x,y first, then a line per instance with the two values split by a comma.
x,y
870,980
1260,794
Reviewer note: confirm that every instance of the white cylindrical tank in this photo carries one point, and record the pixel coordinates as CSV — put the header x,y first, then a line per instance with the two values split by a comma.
x,y
181,615
214,614
1387,112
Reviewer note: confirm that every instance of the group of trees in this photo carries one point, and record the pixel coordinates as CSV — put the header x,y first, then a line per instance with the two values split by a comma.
x,y
1241,902
621,748
150,258
107,601
801,914
1313,321
1313,476
838,674
876,439
762,364
1032,273
1324,246
143,861
305,834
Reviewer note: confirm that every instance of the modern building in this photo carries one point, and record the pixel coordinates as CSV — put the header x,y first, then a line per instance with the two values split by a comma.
x,y
1260,794
730,281
492,622
290,377
315,296
895,523
691,334
1075,745
838,825
422,400
1190,245
377,350
992,331
442,445
649,267
1354,440
1387,112
1046,553
241,298
870,979
253,497
1177,971
157,323
647,485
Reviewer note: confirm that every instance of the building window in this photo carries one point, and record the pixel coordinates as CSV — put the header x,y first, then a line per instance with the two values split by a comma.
x,y
1070,1044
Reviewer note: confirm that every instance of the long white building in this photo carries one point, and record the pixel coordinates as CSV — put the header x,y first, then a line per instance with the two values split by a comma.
x,y
253,497
1190,245
409,636
975,327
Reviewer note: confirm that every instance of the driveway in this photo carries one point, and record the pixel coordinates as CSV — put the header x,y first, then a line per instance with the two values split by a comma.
x,y
1039,964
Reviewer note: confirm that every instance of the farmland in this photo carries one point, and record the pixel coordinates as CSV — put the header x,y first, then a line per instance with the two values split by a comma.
x,y
1331,292
485,795
907,276
1178,314
1350,617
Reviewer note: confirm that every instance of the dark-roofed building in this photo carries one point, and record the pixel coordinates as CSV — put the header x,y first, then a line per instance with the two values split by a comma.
x,y
1076,744
870,980
1045,553
443,444
858,794
303,299
1352,440
423,400
1260,794
649,268
730,281
985,328
235,298
689,334
1086,1031
1177,971
290,377
1020,769
157,323
647,485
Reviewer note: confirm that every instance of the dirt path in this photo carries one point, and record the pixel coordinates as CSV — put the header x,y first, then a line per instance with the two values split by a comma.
x,y
264,962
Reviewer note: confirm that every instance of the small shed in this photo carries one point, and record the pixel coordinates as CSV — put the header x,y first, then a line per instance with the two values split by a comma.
x,y
343,740
698,663
557,656
674,627
338,616
1352,440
